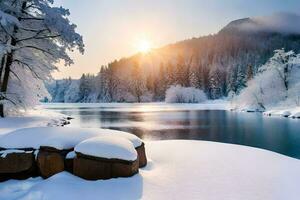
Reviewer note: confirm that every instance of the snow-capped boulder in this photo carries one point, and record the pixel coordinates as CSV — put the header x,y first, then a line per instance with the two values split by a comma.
x,y
295,115
285,113
51,161
17,164
105,157
109,147
59,138
137,143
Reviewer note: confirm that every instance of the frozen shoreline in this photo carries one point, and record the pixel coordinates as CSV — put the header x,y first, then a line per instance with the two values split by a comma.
x,y
33,118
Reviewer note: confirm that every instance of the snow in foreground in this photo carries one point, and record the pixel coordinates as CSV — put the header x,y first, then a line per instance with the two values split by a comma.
x,y
179,170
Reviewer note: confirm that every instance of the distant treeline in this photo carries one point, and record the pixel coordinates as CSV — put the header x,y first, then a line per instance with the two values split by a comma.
x,y
219,64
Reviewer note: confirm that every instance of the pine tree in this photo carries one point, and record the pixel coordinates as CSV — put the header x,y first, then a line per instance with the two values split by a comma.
x,y
171,79
240,80
215,82
162,82
137,86
232,80
250,73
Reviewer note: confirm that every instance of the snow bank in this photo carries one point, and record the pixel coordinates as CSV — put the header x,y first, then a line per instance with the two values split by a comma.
x,y
32,118
111,147
179,170
293,112
57,137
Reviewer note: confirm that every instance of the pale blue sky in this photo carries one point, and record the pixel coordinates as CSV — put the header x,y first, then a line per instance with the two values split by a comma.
x,y
112,28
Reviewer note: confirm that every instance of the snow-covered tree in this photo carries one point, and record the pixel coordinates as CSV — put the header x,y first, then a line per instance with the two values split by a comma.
x,y
216,82
179,94
35,36
283,63
276,83
137,83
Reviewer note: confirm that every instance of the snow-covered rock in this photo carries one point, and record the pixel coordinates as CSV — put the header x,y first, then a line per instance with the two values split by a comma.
x,y
17,164
293,112
105,157
295,115
110,147
136,141
4,153
285,113
57,137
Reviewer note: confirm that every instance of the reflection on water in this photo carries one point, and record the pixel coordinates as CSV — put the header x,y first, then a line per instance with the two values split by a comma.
x,y
162,121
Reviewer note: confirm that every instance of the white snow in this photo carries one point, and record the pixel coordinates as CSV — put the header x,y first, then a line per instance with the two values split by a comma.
x,y
4,153
32,118
111,147
57,137
179,170
136,141
293,112
295,115
71,155
179,94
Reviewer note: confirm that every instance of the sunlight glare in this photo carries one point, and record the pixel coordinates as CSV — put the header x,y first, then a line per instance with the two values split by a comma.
x,y
144,46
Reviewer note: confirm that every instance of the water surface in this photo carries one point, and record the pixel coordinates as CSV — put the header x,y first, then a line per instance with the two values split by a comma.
x,y
158,121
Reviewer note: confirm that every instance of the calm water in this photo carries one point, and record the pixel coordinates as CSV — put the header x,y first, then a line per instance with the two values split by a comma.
x,y
194,122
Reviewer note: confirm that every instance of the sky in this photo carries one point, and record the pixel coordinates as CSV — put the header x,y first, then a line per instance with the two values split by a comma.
x,y
113,29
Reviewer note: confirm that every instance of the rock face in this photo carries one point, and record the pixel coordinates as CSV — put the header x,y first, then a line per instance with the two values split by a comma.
x,y
51,161
17,165
141,155
94,168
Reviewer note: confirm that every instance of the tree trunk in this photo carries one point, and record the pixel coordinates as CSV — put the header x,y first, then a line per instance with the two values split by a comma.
x,y
6,72
1,69
7,62
1,110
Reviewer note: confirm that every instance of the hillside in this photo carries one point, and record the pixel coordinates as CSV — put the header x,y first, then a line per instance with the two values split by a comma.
x,y
219,64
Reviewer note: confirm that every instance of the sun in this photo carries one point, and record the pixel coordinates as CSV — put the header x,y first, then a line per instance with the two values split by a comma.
x,y
144,46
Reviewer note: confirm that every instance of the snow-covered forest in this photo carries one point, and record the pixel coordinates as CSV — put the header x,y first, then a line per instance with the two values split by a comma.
x,y
277,83
220,65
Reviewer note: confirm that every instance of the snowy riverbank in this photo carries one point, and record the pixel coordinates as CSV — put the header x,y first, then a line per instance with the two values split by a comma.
x,y
179,170
32,118
284,112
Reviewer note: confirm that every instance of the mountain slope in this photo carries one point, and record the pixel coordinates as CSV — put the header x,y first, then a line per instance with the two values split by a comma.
x,y
219,64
